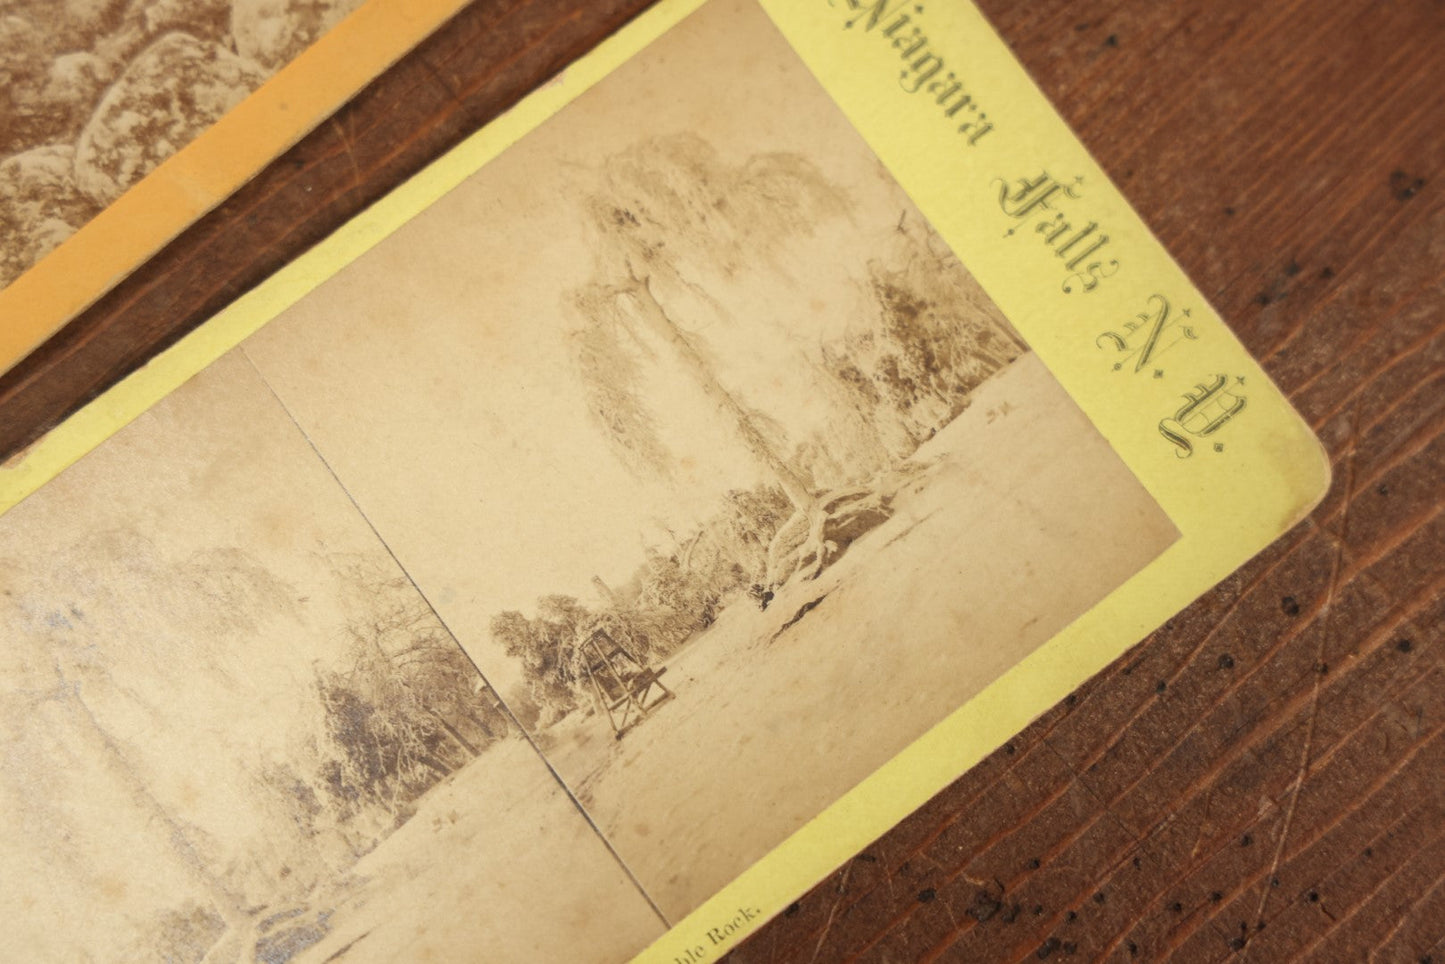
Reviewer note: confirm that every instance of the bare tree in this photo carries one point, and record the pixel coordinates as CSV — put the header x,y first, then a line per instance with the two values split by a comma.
x,y
405,710
549,648
666,205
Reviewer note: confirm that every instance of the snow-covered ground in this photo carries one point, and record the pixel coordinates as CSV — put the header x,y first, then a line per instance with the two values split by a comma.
x,y
488,870
1023,518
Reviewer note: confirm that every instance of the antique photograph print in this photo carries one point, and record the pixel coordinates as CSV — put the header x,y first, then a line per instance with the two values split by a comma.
x,y
95,94
234,731
552,562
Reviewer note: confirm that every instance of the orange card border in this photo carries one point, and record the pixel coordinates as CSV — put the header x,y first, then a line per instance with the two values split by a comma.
x,y
210,169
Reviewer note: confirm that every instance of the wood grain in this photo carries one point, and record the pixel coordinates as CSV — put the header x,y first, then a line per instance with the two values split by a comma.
x,y
489,56
1264,778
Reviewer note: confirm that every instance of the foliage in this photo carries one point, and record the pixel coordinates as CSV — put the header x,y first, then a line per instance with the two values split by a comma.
x,y
609,358
403,712
672,218
934,339
671,596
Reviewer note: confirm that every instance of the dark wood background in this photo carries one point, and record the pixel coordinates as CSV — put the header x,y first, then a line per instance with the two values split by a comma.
x,y
1263,778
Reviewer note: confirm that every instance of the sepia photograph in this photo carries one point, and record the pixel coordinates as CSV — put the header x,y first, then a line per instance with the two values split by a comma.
x,y
715,459
234,731
553,561
94,94
692,480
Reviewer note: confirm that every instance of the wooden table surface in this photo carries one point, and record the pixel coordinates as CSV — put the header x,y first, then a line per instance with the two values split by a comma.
x,y
1263,778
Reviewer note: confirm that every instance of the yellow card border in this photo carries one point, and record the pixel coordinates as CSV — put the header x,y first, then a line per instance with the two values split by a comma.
x,y
284,109
1238,489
